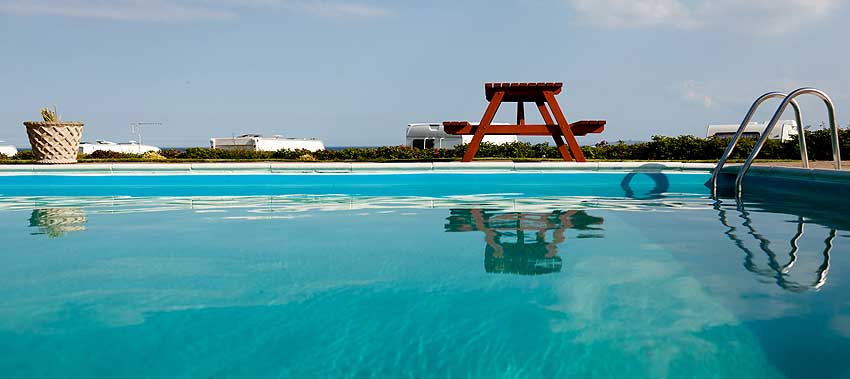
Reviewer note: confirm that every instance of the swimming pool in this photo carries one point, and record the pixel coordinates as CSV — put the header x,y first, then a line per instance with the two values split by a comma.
x,y
439,275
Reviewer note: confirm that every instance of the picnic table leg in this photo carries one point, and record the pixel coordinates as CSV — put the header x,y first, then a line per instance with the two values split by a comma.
x,y
490,236
565,126
559,142
520,113
559,235
482,126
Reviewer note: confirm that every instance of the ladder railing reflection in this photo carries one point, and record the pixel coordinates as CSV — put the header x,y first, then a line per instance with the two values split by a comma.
x,y
775,270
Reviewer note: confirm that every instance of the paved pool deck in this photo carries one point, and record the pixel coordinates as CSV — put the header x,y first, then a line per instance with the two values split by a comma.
x,y
824,165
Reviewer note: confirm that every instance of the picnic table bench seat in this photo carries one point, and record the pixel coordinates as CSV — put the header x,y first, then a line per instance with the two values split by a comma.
x,y
579,128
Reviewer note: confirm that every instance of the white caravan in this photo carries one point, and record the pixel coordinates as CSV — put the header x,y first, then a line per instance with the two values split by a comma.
x,y
131,147
256,142
432,136
784,130
7,150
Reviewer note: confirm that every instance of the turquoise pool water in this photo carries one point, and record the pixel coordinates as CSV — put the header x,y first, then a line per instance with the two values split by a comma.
x,y
417,275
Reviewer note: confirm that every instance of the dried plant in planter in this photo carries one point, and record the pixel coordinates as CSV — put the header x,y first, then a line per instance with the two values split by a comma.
x,y
49,115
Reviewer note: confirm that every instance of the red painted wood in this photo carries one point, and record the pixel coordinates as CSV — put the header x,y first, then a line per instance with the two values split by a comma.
x,y
520,113
575,149
455,124
556,136
483,125
530,92
540,93
579,128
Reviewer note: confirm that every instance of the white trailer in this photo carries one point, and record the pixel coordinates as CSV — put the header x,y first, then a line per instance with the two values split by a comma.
x,y
131,147
432,136
7,150
785,130
256,142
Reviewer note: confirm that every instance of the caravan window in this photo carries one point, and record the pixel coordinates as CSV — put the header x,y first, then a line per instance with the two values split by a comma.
x,y
423,143
744,135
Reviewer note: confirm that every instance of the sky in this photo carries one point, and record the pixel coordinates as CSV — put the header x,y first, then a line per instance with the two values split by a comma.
x,y
355,73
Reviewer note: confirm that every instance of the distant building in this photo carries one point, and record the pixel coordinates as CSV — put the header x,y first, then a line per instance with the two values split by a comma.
x,y
785,130
256,142
131,147
432,136
7,150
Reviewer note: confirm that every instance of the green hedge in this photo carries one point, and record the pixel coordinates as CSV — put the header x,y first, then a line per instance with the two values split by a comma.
x,y
682,148
693,148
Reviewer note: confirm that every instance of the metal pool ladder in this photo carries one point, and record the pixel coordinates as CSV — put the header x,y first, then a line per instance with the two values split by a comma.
x,y
787,99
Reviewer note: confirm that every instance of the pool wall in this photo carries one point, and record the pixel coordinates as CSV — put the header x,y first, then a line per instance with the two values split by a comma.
x,y
787,183
784,182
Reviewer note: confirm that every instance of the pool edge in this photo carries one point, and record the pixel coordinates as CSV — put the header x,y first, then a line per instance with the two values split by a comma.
x,y
340,167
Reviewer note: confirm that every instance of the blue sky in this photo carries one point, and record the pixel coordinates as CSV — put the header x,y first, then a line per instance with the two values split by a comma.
x,y
356,72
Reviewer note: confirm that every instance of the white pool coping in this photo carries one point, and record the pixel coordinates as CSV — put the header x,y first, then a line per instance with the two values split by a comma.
x,y
341,167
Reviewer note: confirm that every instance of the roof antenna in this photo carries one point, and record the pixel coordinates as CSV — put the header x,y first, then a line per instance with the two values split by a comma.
x,y
136,128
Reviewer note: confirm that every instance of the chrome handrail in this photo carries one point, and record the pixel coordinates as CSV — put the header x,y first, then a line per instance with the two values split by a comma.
x,y
830,107
745,122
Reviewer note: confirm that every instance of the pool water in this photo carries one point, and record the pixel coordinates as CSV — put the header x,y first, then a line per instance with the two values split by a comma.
x,y
419,275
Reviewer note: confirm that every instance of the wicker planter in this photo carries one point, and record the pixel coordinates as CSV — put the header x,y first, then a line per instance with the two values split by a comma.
x,y
54,142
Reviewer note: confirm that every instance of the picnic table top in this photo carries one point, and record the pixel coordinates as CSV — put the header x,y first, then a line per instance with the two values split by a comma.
x,y
522,91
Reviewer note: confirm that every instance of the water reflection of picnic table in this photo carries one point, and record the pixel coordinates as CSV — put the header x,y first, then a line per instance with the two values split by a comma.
x,y
522,242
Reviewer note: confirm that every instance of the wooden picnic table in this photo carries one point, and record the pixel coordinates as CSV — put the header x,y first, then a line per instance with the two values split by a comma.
x,y
542,94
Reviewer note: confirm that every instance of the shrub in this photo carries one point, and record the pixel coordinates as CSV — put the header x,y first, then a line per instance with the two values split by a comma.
x,y
205,153
200,153
658,148
106,154
173,154
685,147
25,155
153,156
291,154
